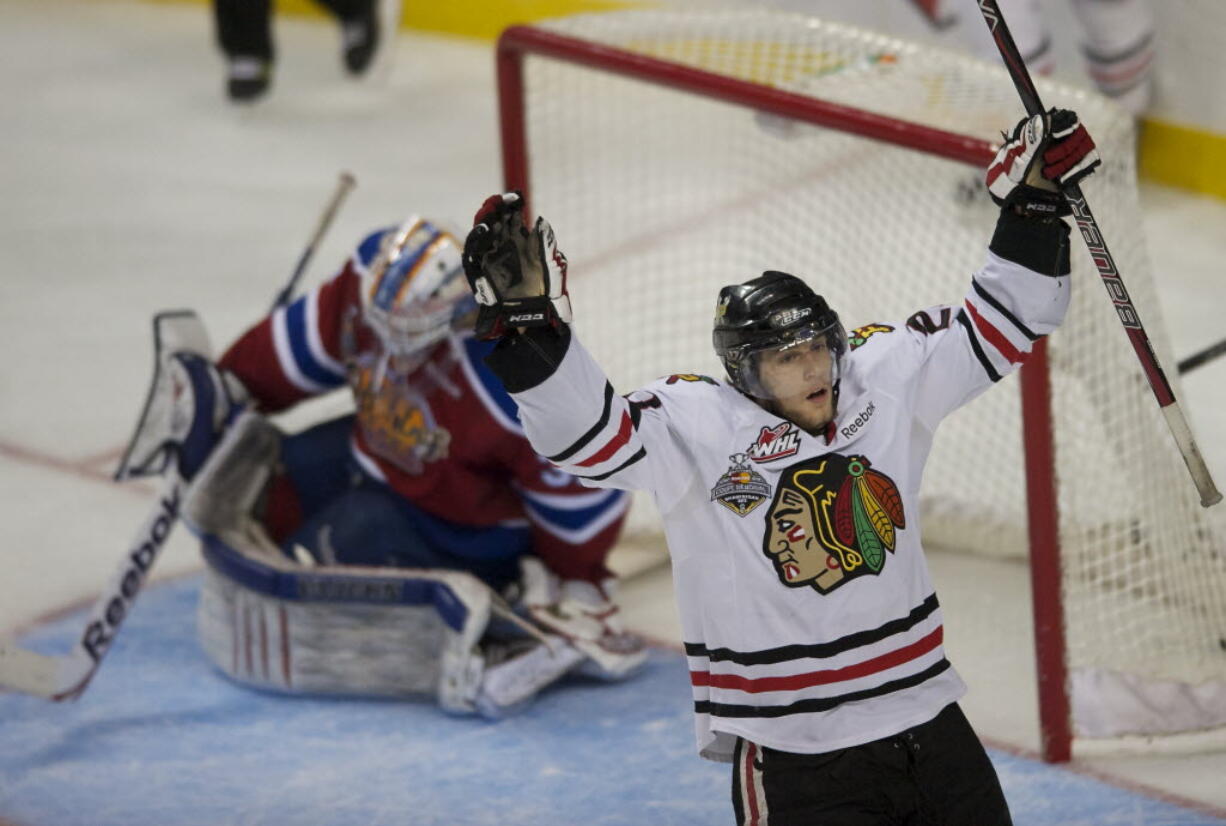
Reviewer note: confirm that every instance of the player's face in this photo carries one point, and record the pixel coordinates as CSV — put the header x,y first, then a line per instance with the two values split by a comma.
x,y
800,381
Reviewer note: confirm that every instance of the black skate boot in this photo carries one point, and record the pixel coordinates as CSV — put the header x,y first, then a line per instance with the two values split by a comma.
x,y
247,78
360,39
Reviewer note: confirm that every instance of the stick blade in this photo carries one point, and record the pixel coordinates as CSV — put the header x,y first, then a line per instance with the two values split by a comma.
x,y
27,672
42,675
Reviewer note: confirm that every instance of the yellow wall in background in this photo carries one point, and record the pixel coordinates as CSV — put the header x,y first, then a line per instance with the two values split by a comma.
x,y
477,18
1170,154
471,18
1184,157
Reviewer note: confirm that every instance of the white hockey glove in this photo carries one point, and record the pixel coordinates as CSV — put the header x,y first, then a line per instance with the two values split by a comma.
x,y
582,614
1046,154
517,276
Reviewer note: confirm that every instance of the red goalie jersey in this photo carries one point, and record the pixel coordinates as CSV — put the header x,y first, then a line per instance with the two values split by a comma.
x,y
438,429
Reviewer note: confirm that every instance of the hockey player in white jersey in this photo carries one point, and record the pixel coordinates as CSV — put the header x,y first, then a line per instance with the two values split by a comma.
x,y
790,495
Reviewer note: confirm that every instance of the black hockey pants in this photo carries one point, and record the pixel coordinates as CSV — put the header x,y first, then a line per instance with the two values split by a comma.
x,y
936,774
244,27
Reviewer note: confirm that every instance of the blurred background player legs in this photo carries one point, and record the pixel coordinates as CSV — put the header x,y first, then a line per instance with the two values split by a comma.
x,y
244,32
1117,43
1118,46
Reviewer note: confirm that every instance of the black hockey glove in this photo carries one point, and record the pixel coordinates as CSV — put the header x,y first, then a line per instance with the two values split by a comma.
x,y
1046,154
517,276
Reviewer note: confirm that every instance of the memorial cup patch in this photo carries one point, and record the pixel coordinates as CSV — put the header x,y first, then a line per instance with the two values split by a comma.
x,y
741,488
833,518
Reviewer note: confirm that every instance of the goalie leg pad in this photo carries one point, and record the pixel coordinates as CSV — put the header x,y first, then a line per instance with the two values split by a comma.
x,y
267,622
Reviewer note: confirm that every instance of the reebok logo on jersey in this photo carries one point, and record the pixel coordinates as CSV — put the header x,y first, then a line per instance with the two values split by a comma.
x,y
833,519
851,428
776,442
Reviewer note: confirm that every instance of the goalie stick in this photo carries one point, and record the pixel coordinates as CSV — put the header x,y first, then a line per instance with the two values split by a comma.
x,y
346,183
65,676
1105,263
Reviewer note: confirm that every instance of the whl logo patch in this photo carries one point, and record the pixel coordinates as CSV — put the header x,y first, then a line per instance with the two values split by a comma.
x,y
776,442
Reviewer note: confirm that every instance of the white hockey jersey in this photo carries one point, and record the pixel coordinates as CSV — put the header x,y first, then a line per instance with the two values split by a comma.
x,y
808,613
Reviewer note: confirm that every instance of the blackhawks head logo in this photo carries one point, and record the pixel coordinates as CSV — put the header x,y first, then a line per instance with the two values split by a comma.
x,y
833,519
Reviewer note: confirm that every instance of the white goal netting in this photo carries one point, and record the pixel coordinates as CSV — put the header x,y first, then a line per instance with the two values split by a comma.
x,y
660,197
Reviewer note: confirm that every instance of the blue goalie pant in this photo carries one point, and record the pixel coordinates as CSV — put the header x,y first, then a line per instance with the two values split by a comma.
x,y
351,519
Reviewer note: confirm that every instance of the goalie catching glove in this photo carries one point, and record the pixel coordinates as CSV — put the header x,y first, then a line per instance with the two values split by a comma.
x,y
190,404
1047,154
518,276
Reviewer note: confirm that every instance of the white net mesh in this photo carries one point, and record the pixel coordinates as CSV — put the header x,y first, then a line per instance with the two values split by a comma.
x,y
660,197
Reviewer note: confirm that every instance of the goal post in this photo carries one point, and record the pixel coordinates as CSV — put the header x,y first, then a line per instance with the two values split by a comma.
x,y
679,150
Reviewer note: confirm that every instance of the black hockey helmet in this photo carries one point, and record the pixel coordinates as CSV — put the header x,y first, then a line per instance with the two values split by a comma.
x,y
771,312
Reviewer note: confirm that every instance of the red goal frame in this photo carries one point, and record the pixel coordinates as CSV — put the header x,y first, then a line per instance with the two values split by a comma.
x,y
519,42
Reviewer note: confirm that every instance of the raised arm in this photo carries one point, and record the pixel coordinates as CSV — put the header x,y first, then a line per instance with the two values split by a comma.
x,y
1021,293
570,411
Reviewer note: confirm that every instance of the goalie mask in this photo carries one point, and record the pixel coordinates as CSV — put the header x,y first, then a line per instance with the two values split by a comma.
x,y
778,317
414,291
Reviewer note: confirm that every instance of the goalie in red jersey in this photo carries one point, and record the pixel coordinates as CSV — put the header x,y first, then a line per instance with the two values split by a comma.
x,y
399,528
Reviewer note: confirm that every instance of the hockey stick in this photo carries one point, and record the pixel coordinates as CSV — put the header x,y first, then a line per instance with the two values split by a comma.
x,y
1093,238
65,676
1197,359
346,183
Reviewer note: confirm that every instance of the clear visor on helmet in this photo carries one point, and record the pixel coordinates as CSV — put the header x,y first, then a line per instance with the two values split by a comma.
x,y
425,319
806,364
416,291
